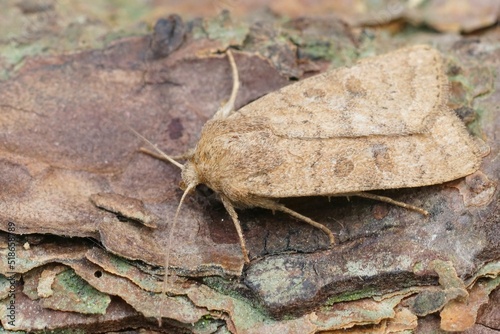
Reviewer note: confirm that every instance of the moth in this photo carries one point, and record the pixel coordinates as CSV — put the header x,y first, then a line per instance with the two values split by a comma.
x,y
380,124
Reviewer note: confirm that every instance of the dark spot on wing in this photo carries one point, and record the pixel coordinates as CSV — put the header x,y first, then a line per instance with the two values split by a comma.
x,y
354,86
343,167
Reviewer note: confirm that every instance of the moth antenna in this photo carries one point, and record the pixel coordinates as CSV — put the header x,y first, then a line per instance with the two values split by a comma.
x,y
160,152
226,110
189,187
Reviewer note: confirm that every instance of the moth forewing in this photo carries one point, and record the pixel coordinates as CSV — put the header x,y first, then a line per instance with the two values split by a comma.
x,y
391,94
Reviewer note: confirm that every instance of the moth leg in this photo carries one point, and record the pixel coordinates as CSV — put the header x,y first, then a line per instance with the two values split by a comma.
x,y
276,206
391,201
230,209
228,108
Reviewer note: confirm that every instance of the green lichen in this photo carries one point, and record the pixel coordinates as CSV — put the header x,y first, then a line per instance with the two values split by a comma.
x,y
222,285
120,264
207,324
68,26
418,267
246,313
336,49
353,295
222,28
88,299
4,287
4,331
60,331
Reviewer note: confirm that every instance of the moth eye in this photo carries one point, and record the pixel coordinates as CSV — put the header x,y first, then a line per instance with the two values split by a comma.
x,y
182,185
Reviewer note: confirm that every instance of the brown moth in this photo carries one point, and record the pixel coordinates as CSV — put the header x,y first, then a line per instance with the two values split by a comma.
x,y
380,124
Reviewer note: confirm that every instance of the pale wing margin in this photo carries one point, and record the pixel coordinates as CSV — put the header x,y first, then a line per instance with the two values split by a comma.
x,y
391,94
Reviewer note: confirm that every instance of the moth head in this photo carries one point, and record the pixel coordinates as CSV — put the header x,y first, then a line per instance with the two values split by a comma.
x,y
190,177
